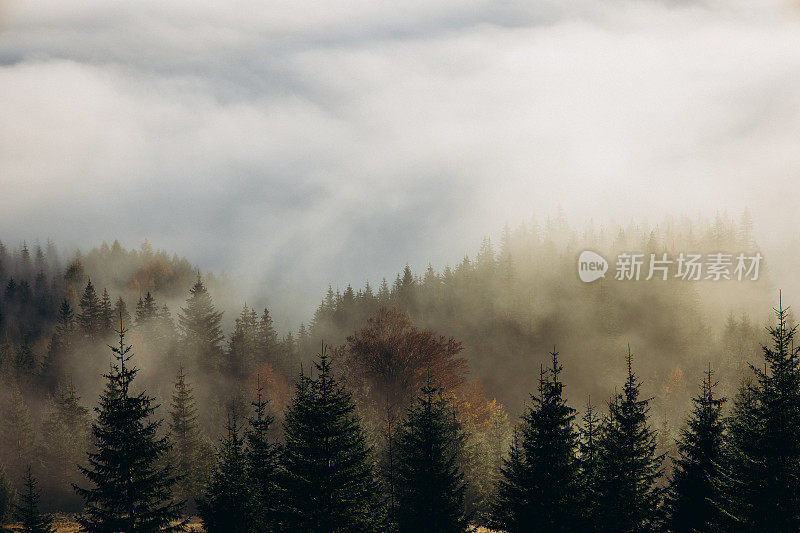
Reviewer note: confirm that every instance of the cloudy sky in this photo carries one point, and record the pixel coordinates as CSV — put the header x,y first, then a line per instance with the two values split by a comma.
x,y
298,143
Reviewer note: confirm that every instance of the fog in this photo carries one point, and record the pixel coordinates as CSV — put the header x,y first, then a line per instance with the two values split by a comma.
x,y
294,145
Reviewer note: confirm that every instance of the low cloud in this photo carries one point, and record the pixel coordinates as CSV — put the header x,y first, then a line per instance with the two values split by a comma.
x,y
296,144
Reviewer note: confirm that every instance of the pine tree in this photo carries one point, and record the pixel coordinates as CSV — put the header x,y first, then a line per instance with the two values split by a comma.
x,y
267,348
89,317
189,449
539,489
30,517
146,313
628,466
430,484
764,455
106,314
328,482
589,461
200,325
121,309
243,343
228,502
131,486
692,501
262,464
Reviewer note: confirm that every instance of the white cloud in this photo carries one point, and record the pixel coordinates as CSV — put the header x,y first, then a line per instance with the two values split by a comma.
x,y
299,143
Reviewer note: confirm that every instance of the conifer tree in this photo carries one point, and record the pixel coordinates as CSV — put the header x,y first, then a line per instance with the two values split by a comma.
x,y
130,481
539,489
262,464
243,343
89,316
28,514
189,449
201,329
430,484
146,313
764,452
267,345
228,502
106,322
628,466
121,309
692,500
589,459
328,480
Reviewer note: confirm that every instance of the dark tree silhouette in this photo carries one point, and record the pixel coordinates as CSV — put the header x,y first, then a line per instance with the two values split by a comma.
x,y
130,484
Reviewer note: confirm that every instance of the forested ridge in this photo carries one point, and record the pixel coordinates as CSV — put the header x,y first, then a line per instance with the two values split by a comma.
x,y
435,401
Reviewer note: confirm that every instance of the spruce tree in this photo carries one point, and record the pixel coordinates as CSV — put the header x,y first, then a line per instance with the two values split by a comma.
x,y
106,314
89,316
628,466
189,449
28,514
262,464
242,344
201,329
121,309
764,455
328,480
130,481
539,489
430,484
691,503
228,502
589,460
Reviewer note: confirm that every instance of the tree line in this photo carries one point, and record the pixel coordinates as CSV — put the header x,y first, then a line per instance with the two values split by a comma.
x,y
732,472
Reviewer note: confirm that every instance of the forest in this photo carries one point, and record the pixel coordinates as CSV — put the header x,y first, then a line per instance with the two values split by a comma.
x,y
499,393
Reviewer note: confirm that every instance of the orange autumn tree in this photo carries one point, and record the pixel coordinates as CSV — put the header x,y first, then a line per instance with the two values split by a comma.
x,y
390,359
385,365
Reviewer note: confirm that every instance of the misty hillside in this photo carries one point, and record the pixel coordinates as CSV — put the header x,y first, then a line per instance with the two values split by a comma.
x,y
493,319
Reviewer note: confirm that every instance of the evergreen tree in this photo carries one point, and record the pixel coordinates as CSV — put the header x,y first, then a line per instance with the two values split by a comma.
x,y
539,489
106,324
228,502
628,466
692,501
89,316
328,482
243,343
267,345
131,486
189,449
30,517
430,484
262,464
146,313
589,460
764,452
121,309
200,325
26,361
